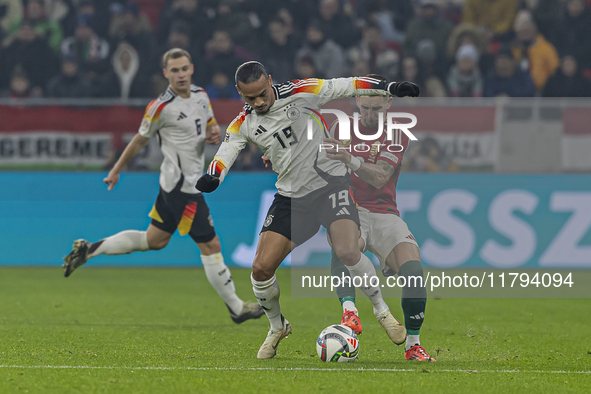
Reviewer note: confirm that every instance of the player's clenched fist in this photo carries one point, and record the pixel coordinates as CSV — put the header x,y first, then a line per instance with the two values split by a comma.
x,y
207,183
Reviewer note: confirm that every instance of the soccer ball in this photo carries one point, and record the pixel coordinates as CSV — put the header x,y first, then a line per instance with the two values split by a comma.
x,y
337,343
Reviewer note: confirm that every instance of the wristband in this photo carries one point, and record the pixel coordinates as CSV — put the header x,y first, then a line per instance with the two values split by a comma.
x,y
355,163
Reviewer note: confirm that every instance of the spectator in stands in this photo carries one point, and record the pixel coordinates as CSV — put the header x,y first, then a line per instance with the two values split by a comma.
x,y
429,25
178,37
306,68
125,80
574,32
464,78
294,31
90,50
47,29
428,156
336,25
494,16
532,51
98,12
430,86
380,56
391,16
33,54
20,86
278,53
221,87
224,56
507,79
361,67
10,10
191,12
70,83
465,34
328,55
239,24
426,56
568,81
127,24
299,13
547,15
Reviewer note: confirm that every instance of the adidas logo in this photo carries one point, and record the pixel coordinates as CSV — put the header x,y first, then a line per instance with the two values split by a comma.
x,y
181,116
410,236
418,317
343,211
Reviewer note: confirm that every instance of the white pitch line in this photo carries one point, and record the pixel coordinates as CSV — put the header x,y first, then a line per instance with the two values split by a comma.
x,y
286,369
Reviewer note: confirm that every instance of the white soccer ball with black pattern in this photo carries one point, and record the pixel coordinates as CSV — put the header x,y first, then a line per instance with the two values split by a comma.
x,y
337,343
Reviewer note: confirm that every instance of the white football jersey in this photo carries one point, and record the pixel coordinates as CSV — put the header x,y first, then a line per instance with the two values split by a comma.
x,y
180,126
282,132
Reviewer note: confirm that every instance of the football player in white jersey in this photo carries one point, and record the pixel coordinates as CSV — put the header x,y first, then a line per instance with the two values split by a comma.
x,y
183,119
313,190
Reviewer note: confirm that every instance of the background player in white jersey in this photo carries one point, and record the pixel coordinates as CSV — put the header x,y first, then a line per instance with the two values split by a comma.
x,y
183,119
375,174
315,188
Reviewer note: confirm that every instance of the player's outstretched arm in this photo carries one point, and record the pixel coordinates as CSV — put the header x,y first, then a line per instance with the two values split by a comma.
x,y
377,174
325,90
133,148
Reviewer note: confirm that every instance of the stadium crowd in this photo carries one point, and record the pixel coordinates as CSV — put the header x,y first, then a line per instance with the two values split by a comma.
x,y
459,48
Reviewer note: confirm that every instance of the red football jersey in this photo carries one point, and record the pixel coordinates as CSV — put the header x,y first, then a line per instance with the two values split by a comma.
x,y
381,200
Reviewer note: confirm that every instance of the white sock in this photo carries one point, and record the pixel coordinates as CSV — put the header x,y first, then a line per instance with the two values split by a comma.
x,y
365,268
349,306
220,277
124,242
267,293
411,340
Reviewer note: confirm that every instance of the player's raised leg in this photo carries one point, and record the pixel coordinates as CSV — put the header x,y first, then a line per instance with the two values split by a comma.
x,y
272,249
344,235
220,278
405,260
125,242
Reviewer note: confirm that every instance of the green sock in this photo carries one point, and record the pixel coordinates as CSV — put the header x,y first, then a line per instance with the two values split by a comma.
x,y
346,291
414,297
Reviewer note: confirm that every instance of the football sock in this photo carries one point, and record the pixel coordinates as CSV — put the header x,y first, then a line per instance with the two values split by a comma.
x,y
346,290
124,242
349,305
412,340
220,277
267,293
414,297
365,267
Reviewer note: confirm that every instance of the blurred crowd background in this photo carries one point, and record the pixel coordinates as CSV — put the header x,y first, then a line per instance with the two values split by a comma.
x,y
456,48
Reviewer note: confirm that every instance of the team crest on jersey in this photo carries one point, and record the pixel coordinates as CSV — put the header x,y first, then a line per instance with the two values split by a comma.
x,y
329,86
293,114
203,105
268,221
346,142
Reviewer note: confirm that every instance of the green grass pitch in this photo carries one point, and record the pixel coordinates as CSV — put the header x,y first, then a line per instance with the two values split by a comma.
x,y
110,330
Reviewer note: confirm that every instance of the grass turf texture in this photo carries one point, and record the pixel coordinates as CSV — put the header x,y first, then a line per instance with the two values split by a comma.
x,y
120,322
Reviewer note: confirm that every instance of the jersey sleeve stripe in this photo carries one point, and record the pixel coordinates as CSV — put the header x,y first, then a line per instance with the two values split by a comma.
x,y
216,166
234,127
364,83
310,86
154,109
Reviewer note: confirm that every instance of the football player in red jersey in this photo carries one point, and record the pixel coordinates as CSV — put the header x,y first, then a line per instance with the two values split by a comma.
x,y
375,166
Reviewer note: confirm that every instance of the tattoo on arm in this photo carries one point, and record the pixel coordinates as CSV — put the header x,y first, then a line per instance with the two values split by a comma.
x,y
377,174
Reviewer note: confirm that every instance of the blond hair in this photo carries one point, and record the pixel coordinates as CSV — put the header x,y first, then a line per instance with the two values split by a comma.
x,y
175,53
